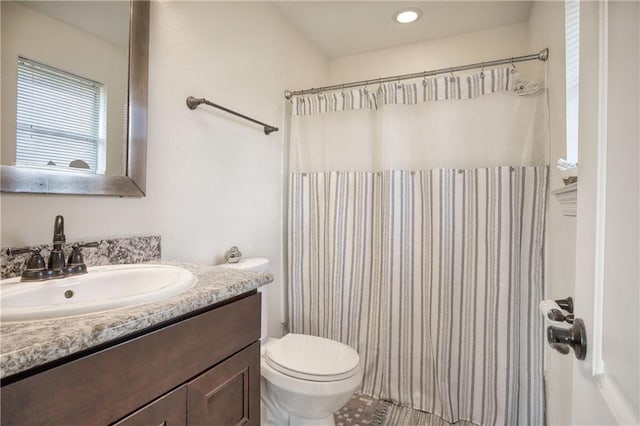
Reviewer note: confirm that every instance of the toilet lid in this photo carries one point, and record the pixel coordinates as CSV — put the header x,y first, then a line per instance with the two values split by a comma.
x,y
312,358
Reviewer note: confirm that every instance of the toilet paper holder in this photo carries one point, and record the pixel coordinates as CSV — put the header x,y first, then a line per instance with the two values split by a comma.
x,y
554,310
566,304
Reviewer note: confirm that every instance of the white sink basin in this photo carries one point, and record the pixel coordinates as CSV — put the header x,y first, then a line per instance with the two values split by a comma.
x,y
102,288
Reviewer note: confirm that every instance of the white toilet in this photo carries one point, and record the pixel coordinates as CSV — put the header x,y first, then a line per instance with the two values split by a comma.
x,y
305,379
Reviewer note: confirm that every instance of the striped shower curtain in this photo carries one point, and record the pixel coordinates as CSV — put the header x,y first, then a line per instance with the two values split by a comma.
x,y
433,276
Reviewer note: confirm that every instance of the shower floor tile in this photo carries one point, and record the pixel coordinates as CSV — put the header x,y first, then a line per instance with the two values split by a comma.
x,y
363,410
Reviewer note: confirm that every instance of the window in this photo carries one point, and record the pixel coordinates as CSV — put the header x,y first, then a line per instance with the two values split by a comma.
x,y
61,119
572,49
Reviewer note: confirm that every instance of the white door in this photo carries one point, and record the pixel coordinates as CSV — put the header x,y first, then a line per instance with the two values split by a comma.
x,y
606,385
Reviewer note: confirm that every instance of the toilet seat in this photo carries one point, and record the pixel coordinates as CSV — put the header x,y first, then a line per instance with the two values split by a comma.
x,y
312,358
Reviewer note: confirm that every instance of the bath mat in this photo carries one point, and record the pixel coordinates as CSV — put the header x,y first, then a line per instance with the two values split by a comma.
x,y
362,410
404,416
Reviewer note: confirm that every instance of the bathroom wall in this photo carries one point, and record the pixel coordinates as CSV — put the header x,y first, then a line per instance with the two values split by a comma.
x,y
546,28
496,43
213,181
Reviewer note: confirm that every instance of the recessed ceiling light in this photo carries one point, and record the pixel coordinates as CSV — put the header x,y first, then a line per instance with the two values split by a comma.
x,y
406,16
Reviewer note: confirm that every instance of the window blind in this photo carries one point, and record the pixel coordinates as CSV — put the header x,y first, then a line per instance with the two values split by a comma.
x,y
58,117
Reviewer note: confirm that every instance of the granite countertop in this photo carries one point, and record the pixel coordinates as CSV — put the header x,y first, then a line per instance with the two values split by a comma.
x,y
24,345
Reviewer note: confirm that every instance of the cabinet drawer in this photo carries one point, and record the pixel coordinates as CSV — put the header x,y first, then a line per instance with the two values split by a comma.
x,y
107,385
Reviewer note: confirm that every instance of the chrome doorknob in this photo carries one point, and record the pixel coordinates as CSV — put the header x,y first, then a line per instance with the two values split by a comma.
x,y
561,339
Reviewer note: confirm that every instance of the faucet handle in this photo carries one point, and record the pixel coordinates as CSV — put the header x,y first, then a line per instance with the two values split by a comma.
x,y
36,267
18,252
36,261
76,258
92,244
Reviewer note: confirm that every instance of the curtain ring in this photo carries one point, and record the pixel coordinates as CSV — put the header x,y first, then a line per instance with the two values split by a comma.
x,y
482,69
452,78
513,66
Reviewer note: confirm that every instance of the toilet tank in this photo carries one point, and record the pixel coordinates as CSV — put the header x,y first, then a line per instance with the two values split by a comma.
x,y
255,264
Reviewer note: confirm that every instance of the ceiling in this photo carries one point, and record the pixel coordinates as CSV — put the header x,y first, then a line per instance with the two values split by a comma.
x,y
343,28
339,28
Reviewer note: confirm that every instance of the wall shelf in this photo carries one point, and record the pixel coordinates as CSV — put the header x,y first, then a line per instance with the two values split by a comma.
x,y
568,198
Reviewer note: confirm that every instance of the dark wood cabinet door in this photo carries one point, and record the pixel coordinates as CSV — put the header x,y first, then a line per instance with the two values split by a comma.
x,y
168,410
227,394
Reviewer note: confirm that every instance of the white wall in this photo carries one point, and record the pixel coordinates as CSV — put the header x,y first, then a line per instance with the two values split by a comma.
x,y
213,180
546,26
28,33
497,43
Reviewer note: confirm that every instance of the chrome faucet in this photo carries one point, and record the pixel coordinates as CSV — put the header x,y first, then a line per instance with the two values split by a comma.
x,y
56,268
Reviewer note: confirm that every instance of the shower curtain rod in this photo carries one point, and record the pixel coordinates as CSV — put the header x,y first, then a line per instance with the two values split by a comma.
x,y
192,103
543,55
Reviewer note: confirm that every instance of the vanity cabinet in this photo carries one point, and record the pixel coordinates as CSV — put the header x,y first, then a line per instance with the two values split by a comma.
x,y
223,395
168,410
200,369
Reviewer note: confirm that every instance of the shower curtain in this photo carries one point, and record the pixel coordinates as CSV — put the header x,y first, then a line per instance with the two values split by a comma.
x,y
428,263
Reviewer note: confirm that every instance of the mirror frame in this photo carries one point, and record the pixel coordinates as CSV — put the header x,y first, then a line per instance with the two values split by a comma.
x,y
38,181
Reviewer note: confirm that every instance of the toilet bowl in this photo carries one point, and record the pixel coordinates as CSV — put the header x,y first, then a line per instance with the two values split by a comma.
x,y
304,379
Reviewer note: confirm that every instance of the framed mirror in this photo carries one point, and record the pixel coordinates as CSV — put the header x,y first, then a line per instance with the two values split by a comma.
x,y
74,97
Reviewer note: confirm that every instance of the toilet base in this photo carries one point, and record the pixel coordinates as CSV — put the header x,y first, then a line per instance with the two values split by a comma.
x,y
271,413
300,421
273,416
